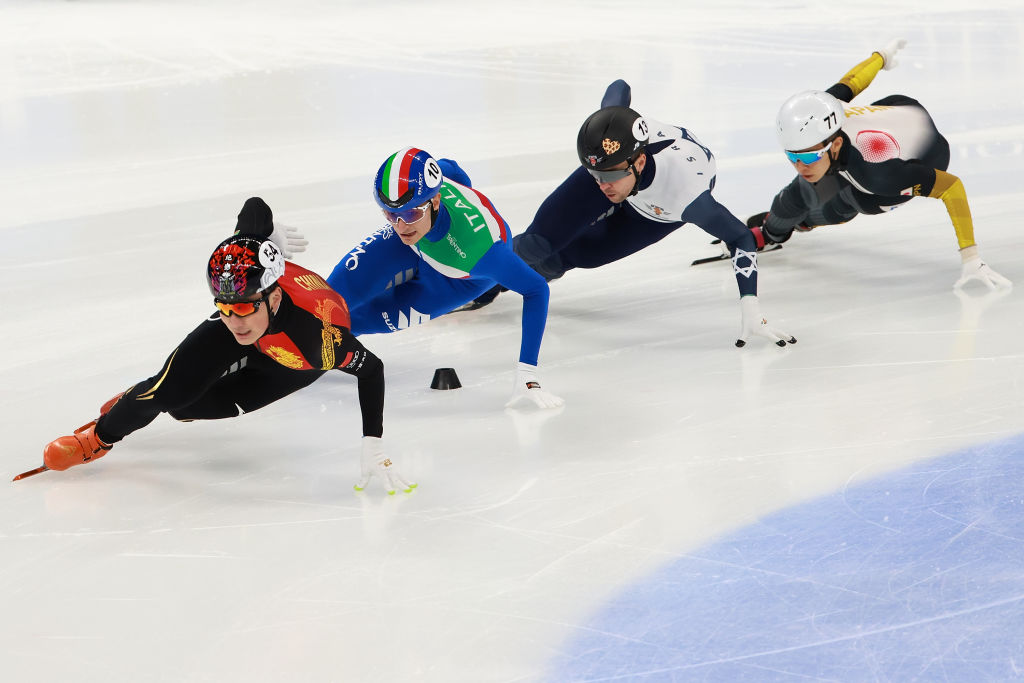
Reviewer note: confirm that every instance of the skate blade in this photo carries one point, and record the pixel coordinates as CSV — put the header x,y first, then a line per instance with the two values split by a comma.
x,y
30,473
471,306
726,256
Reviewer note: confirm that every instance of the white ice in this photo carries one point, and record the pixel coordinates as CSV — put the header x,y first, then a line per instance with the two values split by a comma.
x,y
237,550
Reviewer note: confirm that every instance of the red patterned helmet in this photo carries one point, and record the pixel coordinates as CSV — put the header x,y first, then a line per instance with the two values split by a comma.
x,y
243,266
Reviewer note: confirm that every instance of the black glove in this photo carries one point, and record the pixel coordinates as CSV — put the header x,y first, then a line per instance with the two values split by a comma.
x,y
255,218
756,225
757,220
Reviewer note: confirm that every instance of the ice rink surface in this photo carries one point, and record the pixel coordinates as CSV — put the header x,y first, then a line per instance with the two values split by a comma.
x,y
847,509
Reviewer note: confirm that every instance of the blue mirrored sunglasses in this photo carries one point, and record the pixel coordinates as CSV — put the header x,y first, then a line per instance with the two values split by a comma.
x,y
408,216
808,158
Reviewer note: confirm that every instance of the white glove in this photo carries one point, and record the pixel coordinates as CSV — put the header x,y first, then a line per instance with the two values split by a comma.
x,y
288,239
374,462
527,388
755,324
974,269
889,53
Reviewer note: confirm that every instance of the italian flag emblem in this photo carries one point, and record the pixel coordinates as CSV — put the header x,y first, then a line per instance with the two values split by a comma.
x,y
394,180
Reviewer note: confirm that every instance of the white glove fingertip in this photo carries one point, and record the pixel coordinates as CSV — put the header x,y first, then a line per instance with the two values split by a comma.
x,y
780,339
995,278
394,482
889,53
544,399
515,401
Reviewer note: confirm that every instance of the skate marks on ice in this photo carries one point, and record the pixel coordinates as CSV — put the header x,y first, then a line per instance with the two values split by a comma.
x,y
911,576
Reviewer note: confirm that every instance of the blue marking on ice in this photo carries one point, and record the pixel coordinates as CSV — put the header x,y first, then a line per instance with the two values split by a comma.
x,y
917,575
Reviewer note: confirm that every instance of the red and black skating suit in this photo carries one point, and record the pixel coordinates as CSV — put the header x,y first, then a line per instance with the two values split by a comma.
x,y
211,376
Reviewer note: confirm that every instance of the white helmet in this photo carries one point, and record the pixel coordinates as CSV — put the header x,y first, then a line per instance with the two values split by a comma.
x,y
808,118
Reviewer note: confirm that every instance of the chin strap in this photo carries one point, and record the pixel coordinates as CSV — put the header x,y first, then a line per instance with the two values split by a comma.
x,y
833,162
636,181
271,313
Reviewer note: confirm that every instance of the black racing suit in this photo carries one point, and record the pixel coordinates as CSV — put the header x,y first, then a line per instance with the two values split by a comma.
x,y
211,376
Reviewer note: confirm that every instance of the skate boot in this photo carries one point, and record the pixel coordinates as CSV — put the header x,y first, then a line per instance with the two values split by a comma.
x,y
81,447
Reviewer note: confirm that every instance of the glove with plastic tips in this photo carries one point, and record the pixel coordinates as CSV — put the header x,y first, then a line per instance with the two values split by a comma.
x,y
376,463
888,53
527,390
288,239
974,269
756,325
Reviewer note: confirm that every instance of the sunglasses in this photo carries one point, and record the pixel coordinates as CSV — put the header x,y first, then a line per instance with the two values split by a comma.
x,y
408,216
611,176
241,309
808,158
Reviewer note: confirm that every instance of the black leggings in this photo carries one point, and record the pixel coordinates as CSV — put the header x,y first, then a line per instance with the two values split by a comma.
x,y
209,376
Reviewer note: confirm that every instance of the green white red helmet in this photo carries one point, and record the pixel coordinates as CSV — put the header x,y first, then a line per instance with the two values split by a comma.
x,y
408,178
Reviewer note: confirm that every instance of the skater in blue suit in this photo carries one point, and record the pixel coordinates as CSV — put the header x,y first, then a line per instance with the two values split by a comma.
x,y
444,244
638,181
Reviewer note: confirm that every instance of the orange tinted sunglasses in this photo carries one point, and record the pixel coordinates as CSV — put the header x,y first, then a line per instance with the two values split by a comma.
x,y
240,309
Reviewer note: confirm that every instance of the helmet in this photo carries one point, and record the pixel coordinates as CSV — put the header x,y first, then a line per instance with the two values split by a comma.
x,y
407,179
242,266
808,118
610,136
